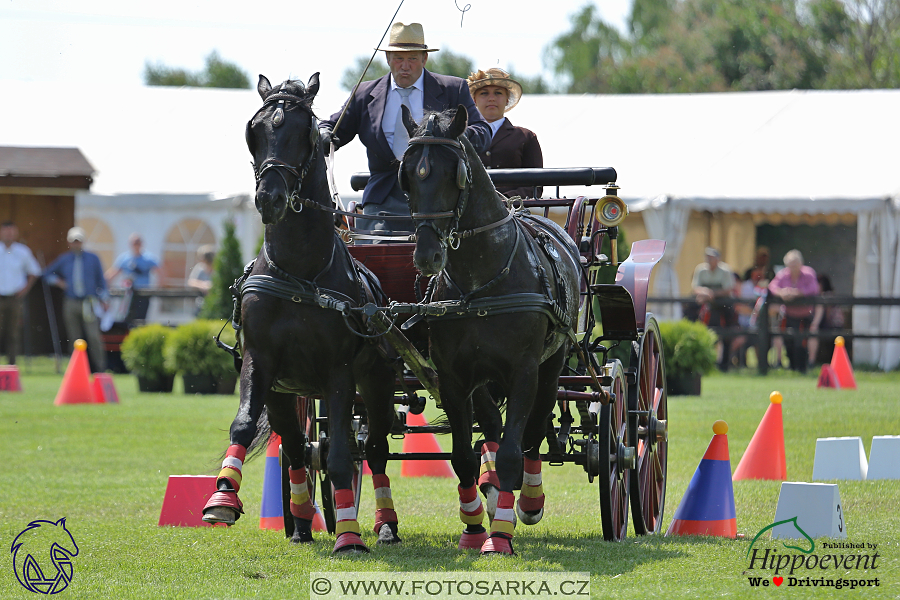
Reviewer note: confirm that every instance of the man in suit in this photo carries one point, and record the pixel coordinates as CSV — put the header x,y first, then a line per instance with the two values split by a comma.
x,y
80,274
373,114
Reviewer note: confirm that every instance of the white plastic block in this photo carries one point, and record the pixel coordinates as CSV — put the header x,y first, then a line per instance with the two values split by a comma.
x,y
817,507
840,458
884,457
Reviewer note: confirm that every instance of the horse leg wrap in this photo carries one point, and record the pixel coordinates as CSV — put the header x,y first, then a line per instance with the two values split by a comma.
x,y
228,483
505,518
346,526
301,505
384,503
532,497
471,511
488,474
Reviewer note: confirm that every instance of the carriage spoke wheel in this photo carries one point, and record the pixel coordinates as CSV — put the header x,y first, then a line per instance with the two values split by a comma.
x,y
648,431
616,459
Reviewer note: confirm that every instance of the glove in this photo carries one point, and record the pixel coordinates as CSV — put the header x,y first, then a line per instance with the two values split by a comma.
x,y
329,138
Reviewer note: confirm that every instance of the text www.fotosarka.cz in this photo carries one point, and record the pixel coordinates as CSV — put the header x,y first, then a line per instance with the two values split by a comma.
x,y
458,584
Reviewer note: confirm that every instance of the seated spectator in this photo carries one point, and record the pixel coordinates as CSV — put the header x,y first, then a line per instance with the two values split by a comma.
x,y
713,287
512,147
796,280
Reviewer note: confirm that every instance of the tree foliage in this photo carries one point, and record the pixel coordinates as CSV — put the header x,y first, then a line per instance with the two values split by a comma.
x,y
227,267
709,46
217,73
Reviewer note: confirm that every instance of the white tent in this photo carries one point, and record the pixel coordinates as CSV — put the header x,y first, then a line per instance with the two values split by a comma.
x,y
785,152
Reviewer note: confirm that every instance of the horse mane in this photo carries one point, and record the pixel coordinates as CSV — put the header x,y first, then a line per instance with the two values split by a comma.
x,y
295,87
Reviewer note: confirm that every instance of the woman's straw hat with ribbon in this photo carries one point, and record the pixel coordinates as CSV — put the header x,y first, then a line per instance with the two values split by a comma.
x,y
407,38
499,78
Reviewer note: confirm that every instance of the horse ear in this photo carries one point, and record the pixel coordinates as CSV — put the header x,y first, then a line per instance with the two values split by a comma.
x,y
458,126
312,86
408,120
263,87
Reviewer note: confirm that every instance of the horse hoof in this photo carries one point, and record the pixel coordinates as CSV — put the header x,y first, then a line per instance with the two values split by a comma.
x,y
497,544
220,514
387,534
302,537
472,541
529,517
349,543
491,495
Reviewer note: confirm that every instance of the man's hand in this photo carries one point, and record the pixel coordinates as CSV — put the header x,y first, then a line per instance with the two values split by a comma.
x,y
328,138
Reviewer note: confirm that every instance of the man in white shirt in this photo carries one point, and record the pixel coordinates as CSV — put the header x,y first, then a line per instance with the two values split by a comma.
x,y
18,272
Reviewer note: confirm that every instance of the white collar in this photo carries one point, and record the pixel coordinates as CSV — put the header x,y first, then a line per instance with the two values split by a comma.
x,y
496,125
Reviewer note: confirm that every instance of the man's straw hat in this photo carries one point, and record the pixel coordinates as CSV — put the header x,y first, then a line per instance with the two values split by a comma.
x,y
499,78
407,38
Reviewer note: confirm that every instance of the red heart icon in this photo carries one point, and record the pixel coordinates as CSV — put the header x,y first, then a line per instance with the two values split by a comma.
x,y
777,580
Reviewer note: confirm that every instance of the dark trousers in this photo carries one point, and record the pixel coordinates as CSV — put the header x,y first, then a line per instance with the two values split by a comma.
x,y
796,348
394,204
11,325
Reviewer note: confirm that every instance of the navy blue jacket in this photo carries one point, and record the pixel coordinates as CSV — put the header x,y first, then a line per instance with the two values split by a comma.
x,y
366,112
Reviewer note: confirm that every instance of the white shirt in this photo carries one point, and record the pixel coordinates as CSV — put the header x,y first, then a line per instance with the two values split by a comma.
x,y
495,126
16,263
392,106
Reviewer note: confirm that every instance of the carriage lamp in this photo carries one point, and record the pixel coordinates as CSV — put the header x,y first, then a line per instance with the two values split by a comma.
x,y
611,210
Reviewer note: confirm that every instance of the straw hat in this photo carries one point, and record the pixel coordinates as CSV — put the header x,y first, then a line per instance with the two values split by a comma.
x,y
500,78
407,38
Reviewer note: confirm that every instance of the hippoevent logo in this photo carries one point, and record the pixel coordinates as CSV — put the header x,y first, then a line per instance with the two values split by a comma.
x,y
42,556
807,568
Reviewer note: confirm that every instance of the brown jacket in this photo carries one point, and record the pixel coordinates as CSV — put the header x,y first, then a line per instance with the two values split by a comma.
x,y
514,148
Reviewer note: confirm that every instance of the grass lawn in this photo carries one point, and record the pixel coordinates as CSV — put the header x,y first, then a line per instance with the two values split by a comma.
x,y
105,468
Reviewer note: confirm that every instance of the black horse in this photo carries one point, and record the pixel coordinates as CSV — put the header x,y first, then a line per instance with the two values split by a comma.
x,y
299,330
510,284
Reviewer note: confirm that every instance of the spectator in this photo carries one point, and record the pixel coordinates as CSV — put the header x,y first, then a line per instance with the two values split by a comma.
x,y
761,264
796,280
512,147
136,266
713,287
829,318
201,275
80,274
751,289
18,272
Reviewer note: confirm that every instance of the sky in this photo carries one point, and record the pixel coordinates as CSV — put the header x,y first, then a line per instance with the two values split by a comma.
x,y
110,41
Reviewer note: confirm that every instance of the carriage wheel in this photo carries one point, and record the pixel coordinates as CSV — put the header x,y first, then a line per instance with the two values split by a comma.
x,y
616,459
647,430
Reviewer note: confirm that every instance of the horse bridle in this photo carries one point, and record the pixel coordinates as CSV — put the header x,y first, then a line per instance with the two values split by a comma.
x,y
277,164
423,170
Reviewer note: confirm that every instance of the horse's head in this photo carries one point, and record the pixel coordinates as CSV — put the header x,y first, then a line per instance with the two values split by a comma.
x,y
436,175
283,137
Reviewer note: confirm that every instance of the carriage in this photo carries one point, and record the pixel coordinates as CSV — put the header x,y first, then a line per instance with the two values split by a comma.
x,y
622,445
581,370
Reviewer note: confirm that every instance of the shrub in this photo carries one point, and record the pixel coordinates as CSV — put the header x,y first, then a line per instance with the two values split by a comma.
x,y
689,347
227,267
143,351
192,349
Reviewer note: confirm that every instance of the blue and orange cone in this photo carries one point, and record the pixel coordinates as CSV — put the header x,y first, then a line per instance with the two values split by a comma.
x,y
271,513
707,507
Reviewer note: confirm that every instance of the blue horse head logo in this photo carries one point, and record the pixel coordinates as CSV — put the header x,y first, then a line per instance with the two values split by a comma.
x,y
42,556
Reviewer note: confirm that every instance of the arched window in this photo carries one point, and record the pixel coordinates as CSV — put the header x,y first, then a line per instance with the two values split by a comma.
x,y
180,250
100,239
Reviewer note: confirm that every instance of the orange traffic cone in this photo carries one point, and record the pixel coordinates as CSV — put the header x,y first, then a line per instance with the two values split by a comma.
x,y
828,378
9,379
104,390
318,523
707,507
76,383
840,362
765,458
422,443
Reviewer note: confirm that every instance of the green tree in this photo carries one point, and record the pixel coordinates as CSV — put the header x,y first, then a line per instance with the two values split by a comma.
x,y
227,267
217,73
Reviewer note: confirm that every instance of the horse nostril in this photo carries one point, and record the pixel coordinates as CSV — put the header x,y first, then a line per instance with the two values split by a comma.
x,y
436,259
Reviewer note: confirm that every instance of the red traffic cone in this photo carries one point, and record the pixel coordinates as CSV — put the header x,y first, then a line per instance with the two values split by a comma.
x,y
828,378
422,442
707,507
271,512
765,458
76,383
185,497
103,388
840,362
9,379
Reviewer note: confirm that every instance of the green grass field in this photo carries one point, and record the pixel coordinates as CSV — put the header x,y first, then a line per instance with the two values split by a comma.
x,y
105,468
